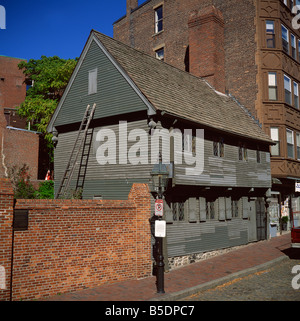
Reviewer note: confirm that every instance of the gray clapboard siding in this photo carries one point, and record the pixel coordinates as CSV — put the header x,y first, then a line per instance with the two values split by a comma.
x,y
185,238
114,95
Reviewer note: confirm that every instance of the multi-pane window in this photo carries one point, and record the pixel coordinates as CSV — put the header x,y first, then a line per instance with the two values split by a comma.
x,y
293,44
285,39
272,84
290,143
270,30
243,153
287,90
258,156
275,150
178,211
158,19
218,148
296,95
160,54
298,145
189,143
235,208
210,210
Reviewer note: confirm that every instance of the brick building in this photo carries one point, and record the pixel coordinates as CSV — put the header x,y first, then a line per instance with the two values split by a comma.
x,y
17,144
248,49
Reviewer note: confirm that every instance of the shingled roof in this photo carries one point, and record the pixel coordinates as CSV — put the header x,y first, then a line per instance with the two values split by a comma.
x,y
179,93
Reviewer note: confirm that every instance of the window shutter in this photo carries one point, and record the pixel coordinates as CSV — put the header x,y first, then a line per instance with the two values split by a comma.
x,y
168,212
245,205
228,208
202,207
222,208
192,206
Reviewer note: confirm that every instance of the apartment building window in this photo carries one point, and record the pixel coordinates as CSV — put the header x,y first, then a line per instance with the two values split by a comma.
x,y
298,145
270,29
275,150
189,143
293,43
287,90
296,95
291,4
290,143
272,86
218,147
285,2
158,19
160,54
285,39
299,50
210,210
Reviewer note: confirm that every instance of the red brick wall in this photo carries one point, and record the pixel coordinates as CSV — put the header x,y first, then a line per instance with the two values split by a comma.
x,y
18,147
206,46
73,244
12,88
6,220
240,46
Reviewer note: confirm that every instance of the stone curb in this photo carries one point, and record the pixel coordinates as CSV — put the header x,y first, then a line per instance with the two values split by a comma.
x,y
211,284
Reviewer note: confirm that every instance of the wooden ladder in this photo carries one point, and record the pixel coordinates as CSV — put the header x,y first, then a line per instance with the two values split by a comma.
x,y
83,140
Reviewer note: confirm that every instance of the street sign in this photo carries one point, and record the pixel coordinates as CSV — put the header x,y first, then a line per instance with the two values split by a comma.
x,y
159,208
160,228
297,189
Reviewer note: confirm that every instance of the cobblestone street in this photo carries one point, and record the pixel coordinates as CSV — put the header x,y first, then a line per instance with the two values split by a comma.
x,y
272,284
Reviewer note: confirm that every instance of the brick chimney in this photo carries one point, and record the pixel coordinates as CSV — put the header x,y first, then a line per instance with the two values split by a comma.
x,y
206,46
131,4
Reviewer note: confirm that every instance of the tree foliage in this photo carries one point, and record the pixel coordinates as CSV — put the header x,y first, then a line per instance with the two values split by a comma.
x,y
48,78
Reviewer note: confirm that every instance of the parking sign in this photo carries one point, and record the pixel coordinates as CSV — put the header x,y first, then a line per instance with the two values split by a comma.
x,y
159,207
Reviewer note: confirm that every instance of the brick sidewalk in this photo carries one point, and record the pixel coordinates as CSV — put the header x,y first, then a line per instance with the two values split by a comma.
x,y
191,276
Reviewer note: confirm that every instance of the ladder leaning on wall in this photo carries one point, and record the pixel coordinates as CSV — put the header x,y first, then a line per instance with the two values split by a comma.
x,y
79,145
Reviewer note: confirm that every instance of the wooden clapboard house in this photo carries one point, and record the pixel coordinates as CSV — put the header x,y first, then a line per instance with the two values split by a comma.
x,y
224,206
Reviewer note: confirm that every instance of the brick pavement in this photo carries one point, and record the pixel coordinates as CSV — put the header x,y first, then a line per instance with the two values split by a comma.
x,y
185,278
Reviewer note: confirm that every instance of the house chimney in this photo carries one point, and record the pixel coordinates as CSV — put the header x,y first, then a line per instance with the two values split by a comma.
x,y
206,46
131,4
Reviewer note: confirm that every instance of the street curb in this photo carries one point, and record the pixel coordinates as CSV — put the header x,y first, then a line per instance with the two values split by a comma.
x,y
211,284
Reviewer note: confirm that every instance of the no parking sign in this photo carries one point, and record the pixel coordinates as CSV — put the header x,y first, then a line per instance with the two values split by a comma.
x,y
159,208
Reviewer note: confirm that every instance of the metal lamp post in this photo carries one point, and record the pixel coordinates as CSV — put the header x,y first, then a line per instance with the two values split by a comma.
x,y
160,177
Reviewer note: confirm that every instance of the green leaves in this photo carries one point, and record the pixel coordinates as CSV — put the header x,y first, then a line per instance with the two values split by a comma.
x,y
48,78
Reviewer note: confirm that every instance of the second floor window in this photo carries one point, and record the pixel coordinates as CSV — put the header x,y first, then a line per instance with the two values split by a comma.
x,y
298,145
270,30
158,19
287,90
293,43
275,150
285,39
272,86
296,95
290,143
160,53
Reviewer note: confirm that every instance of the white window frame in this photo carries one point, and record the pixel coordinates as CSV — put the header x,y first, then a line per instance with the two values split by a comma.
x,y
275,137
272,84
290,142
158,54
270,32
296,95
288,89
158,19
285,38
294,48
93,79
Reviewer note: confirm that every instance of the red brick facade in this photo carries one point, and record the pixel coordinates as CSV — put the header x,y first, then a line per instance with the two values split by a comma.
x,y
239,49
12,87
75,244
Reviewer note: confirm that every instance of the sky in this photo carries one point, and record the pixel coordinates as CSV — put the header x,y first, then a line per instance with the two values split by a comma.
x,y
55,28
